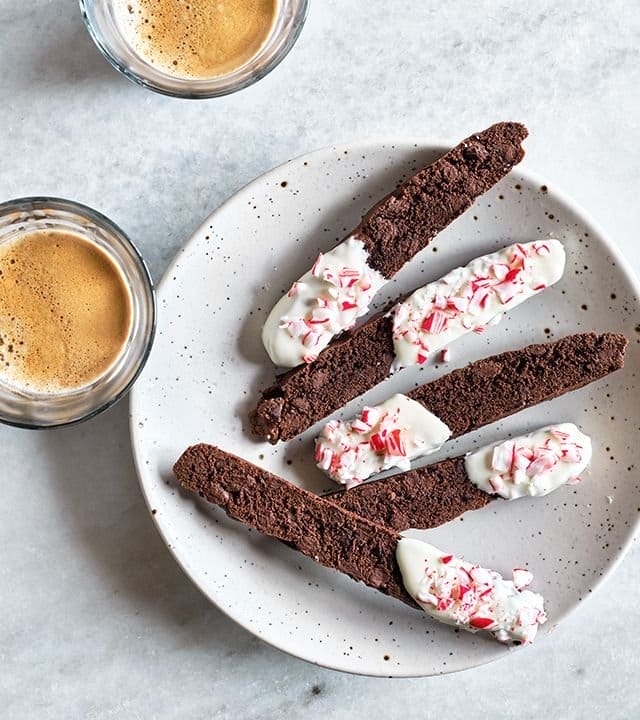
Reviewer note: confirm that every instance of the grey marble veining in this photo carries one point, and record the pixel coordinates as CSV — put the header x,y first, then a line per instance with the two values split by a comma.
x,y
97,620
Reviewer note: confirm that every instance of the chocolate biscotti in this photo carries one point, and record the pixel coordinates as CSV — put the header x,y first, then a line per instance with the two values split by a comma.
x,y
495,387
339,287
471,597
317,528
531,465
464,399
405,222
422,498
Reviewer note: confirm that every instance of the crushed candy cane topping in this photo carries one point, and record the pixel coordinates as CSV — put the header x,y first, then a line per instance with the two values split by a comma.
x,y
534,464
325,301
388,435
468,596
472,297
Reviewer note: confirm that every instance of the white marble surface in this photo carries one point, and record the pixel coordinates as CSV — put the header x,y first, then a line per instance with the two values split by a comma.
x,y
97,620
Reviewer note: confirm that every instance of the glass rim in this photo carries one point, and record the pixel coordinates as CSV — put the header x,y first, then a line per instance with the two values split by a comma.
x,y
38,202
194,88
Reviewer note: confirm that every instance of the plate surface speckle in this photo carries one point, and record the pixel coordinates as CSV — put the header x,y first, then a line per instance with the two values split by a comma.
x,y
208,365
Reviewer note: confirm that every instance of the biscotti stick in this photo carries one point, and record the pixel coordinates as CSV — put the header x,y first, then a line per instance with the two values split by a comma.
x,y
532,465
321,530
342,282
447,588
465,399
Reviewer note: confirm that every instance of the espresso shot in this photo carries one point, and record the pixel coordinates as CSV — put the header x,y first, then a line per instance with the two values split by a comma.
x,y
65,312
77,312
194,48
200,39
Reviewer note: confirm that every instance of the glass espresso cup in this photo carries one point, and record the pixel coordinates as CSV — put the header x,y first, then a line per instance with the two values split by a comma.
x,y
107,249
101,19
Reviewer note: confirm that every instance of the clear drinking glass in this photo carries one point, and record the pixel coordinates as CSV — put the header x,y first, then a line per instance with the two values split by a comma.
x,y
100,19
43,410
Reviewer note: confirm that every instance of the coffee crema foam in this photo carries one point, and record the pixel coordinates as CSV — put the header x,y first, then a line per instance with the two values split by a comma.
x,y
196,39
65,311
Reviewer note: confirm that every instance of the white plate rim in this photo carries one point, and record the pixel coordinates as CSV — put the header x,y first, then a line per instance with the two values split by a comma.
x,y
421,143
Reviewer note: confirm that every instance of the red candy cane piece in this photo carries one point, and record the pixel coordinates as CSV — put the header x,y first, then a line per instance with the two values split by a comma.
x,y
329,277
395,444
512,275
502,458
295,289
522,578
370,415
479,300
435,322
326,459
457,304
571,453
543,462
311,339
559,434
336,462
348,277
315,270
542,249
360,427
520,253
500,270
481,622
480,282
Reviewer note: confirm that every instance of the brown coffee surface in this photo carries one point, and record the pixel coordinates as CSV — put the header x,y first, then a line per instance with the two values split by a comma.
x,y
197,38
65,311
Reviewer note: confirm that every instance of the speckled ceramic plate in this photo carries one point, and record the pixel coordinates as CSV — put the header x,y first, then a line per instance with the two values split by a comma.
x,y
208,365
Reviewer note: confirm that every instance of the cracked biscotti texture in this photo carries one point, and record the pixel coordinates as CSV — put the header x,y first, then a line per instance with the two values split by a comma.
x,y
421,498
317,528
355,362
405,222
492,388
464,399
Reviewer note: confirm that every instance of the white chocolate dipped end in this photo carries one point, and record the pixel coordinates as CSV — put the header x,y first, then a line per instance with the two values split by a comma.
x,y
533,465
325,301
468,596
388,435
470,297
